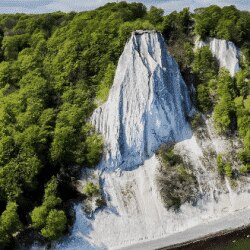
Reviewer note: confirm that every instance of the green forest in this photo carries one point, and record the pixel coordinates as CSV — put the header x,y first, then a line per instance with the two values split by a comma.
x,y
56,68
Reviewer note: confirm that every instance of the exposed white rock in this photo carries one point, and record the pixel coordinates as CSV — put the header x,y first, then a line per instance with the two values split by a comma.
x,y
147,106
148,103
135,212
226,53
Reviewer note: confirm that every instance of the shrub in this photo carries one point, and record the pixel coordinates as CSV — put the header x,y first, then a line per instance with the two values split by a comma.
x,y
245,168
50,221
244,155
94,145
228,169
38,217
55,225
196,121
222,116
167,155
204,66
220,164
100,202
9,223
224,168
90,189
106,83
203,98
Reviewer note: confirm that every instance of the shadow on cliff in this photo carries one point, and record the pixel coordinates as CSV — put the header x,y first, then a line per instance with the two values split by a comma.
x,y
131,162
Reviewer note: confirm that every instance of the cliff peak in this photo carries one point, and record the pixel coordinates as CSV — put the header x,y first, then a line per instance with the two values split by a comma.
x,y
148,104
141,32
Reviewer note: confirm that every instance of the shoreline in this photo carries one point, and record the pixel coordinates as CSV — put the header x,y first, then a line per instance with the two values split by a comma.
x,y
213,241
200,236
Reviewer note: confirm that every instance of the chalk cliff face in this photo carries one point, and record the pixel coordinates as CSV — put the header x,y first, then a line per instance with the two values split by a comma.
x,y
135,212
148,104
225,51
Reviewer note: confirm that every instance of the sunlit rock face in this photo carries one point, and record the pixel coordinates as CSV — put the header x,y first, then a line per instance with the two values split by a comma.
x,y
135,211
225,52
148,104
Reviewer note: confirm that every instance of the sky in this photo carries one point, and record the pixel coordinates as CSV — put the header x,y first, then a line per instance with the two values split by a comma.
x,y
45,6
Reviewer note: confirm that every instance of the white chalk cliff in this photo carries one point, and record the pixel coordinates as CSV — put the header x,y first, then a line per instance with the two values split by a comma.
x,y
225,52
148,103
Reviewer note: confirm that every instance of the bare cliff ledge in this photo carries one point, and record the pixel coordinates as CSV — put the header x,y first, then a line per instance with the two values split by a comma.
x,y
148,104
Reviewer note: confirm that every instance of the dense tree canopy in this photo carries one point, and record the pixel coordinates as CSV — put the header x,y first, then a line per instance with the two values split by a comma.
x,y
225,23
53,69
227,97
48,219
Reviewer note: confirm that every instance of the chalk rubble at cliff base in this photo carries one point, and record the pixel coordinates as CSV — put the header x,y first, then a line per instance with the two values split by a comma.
x,y
135,212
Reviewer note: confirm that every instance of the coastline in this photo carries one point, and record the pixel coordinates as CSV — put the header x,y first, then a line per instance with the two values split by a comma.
x,y
201,235
214,241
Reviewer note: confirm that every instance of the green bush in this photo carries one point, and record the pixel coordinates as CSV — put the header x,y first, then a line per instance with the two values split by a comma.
x,y
90,189
94,145
204,66
50,221
167,155
220,164
203,98
100,202
245,168
106,83
242,82
244,156
221,116
9,223
56,223
224,168
224,109
228,169
38,217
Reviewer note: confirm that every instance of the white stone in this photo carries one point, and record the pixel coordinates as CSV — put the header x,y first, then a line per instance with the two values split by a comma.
x,y
136,217
226,53
148,104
